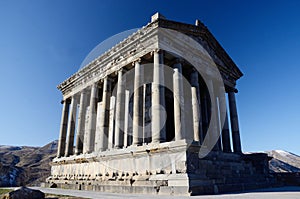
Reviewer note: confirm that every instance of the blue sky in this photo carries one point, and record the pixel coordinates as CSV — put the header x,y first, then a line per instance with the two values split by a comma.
x,y
44,42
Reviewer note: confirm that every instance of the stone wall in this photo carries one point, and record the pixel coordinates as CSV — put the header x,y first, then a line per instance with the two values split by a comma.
x,y
167,168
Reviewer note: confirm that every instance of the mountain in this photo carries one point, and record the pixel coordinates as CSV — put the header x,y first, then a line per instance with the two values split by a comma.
x,y
283,161
25,165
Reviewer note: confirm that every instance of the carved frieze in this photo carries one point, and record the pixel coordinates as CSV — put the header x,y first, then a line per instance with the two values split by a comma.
x,y
141,43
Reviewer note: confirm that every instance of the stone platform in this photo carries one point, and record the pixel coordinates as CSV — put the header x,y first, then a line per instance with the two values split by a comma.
x,y
166,168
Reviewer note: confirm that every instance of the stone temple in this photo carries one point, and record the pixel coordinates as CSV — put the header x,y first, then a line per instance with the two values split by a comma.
x,y
156,114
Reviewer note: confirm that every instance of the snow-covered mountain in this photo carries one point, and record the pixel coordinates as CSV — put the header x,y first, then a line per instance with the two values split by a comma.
x,y
283,161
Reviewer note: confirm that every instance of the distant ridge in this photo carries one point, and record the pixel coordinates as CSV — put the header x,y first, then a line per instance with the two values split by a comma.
x,y
25,165
283,161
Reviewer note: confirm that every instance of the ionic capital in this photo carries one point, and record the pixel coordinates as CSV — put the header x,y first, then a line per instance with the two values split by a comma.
x,y
156,50
138,60
230,89
68,101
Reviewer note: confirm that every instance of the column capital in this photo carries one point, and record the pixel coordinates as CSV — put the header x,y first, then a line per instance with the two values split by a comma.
x,y
68,101
175,63
156,50
138,60
194,78
95,84
179,60
109,79
234,90
194,70
83,91
120,70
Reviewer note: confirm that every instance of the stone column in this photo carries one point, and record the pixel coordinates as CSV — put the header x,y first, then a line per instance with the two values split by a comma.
x,y
158,99
144,113
98,128
196,106
147,114
205,111
236,140
119,126
178,102
196,114
103,123
63,128
81,124
91,128
137,105
86,121
126,118
226,135
214,117
111,123
71,128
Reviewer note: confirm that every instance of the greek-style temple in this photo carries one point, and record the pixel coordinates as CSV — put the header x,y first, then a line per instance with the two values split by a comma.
x,y
156,114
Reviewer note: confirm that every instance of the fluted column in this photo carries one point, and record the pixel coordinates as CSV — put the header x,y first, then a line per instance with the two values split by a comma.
x,y
91,128
226,135
196,105
103,121
81,123
86,121
158,99
119,126
178,102
137,105
144,113
71,128
111,122
97,133
236,140
63,128
126,121
205,112
215,134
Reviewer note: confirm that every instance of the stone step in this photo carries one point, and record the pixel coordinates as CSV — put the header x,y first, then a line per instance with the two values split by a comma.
x,y
227,188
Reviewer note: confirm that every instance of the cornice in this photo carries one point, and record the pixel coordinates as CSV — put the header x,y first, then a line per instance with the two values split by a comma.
x,y
132,45
137,44
202,32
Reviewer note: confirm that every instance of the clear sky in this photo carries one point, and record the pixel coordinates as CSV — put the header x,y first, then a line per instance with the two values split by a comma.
x,y
44,42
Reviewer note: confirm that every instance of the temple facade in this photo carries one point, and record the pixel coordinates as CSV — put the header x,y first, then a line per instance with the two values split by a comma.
x,y
156,114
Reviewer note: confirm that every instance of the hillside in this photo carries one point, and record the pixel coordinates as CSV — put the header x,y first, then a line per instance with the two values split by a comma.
x,y
283,161
25,165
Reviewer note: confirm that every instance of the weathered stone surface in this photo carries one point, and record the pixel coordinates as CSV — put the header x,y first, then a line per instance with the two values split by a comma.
x,y
24,193
161,171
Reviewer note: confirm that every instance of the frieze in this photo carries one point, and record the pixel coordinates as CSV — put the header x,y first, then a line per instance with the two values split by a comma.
x,y
102,64
138,42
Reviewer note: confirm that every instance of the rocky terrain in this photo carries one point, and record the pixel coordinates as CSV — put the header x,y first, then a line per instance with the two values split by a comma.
x,y
30,165
283,161
25,165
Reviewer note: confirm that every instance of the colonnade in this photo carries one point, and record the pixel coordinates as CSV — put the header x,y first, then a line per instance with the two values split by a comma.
x,y
101,120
